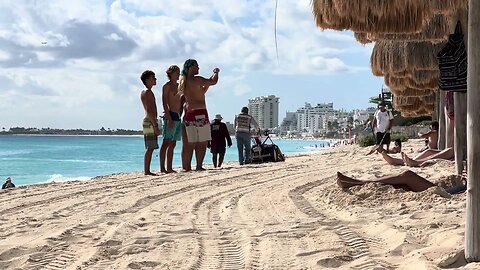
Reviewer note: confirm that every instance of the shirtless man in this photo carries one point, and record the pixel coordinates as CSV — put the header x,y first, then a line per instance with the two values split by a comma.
x,y
431,136
197,124
172,126
150,124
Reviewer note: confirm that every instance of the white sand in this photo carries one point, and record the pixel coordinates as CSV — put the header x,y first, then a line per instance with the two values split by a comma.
x,y
287,215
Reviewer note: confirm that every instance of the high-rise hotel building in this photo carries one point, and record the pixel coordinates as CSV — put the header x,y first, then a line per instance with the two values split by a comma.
x,y
265,111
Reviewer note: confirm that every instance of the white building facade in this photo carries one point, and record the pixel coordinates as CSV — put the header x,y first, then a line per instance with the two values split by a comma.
x,y
314,119
265,111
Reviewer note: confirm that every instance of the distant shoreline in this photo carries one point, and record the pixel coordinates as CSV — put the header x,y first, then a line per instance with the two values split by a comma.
x,y
77,135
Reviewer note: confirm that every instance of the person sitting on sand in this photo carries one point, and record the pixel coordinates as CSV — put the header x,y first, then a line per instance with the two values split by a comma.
x,y
8,183
422,159
397,148
407,180
431,137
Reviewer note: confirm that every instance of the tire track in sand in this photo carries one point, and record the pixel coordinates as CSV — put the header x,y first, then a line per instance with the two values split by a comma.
x,y
358,246
221,244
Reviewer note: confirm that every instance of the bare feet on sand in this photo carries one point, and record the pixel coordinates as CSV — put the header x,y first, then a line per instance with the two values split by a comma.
x,y
375,148
409,162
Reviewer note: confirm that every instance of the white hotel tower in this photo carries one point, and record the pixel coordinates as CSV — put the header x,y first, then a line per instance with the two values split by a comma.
x,y
265,111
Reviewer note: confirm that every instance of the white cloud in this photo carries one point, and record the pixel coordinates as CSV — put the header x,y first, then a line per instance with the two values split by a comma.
x,y
241,90
4,55
89,52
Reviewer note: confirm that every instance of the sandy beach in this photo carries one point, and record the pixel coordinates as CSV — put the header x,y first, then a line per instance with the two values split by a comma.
x,y
287,215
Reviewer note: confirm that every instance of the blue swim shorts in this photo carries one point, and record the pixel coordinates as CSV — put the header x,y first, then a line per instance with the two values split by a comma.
x,y
172,134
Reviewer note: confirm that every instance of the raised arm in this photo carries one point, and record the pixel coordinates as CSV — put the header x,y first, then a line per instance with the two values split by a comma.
x,y
254,123
206,83
424,135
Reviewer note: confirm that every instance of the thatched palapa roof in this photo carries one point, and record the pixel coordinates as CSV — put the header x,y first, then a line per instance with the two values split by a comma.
x,y
379,16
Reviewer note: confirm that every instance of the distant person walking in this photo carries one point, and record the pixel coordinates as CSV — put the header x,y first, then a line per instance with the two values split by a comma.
x,y
150,124
217,145
197,124
382,121
172,125
243,123
8,183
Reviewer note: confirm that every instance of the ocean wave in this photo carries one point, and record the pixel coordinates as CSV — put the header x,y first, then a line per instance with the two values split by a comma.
x,y
313,148
60,178
14,152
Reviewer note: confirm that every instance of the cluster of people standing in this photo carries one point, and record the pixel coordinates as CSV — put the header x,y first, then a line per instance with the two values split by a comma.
x,y
184,94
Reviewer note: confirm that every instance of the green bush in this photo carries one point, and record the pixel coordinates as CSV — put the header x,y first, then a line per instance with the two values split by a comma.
x,y
402,136
369,139
366,140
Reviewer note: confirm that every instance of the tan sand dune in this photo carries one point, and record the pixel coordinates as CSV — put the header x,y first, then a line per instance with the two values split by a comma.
x,y
287,215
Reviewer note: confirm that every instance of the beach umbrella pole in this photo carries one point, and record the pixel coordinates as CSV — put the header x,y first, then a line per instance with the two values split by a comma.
x,y
472,225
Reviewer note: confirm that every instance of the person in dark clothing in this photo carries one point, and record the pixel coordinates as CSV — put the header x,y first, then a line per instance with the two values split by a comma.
x,y
217,144
8,183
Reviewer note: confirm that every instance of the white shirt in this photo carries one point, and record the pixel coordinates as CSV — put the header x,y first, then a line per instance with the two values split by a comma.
x,y
383,120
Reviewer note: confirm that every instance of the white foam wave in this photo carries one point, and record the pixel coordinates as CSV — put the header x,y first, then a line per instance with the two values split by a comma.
x,y
60,178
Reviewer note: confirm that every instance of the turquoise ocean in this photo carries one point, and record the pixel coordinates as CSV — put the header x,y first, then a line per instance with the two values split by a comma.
x,y
42,159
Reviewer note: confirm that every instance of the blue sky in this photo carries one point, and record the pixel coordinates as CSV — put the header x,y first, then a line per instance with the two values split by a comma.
x,y
77,65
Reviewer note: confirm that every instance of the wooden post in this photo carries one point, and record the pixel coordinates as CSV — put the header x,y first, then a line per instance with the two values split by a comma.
x,y
460,100
472,225
460,145
442,124
435,110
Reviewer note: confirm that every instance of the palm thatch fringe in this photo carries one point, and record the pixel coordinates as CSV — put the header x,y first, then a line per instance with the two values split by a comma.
x,y
448,6
382,16
430,107
424,76
395,57
407,82
362,37
435,30
431,98
422,55
400,101
388,57
411,92
409,112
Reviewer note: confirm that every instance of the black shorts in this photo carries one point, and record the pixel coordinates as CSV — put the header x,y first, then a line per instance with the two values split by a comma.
x,y
386,139
217,150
